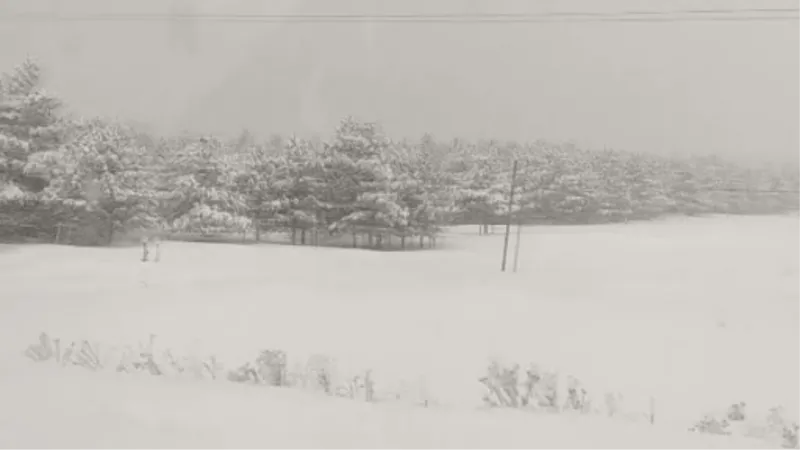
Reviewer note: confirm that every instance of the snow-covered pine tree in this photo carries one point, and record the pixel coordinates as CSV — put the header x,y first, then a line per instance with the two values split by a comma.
x,y
298,187
258,185
198,192
105,176
358,161
29,124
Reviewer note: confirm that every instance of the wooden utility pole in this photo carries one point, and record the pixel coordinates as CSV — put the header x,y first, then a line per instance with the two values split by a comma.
x,y
510,206
516,244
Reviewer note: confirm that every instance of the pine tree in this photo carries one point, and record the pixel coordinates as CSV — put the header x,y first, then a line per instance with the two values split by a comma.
x,y
297,190
358,160
104,172
29,124
198,192
258,186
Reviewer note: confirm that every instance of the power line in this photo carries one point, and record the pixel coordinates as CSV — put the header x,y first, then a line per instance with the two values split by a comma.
x,y
715,14
752,191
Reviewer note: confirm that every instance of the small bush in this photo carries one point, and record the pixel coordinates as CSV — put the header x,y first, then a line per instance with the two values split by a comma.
x,y
81,354
536,389
712,425
269,368
736,422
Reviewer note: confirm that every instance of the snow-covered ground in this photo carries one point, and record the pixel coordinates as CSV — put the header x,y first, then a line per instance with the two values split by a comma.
x,y
61,408
695,313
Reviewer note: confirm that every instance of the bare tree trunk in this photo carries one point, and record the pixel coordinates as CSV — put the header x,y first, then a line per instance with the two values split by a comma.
x,y
379,240
145,250
322,220
480,229
157,243
294,235
355,241
370,240
110,231
303,236
258,231
421,241
403,242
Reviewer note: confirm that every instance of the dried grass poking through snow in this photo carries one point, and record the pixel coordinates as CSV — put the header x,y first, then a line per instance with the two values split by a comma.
x,y
774,427
537,390
269,368
541,390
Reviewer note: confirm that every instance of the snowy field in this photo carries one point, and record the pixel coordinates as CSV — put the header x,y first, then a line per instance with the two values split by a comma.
x,y
69,409
695,313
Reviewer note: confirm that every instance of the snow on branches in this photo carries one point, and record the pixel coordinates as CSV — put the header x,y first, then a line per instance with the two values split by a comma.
x,y
358,181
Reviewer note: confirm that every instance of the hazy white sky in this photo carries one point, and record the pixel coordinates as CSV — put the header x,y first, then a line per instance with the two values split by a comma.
x,y
729,88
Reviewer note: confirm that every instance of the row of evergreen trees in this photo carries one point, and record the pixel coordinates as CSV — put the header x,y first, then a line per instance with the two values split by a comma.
x,y
56,171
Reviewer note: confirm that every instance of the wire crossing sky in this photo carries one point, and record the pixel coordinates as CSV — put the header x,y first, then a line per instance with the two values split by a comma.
x,y
709,14
672,77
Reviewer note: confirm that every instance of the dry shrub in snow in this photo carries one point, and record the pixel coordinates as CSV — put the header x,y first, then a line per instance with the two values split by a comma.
x,y
712,425
269,368
81,354
774,428
360,387
536,389
318,374
126,359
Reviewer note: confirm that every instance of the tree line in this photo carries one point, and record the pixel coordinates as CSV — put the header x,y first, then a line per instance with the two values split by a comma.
x,y
106,179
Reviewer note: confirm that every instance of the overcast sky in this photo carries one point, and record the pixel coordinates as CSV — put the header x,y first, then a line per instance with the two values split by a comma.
x,y
729,88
